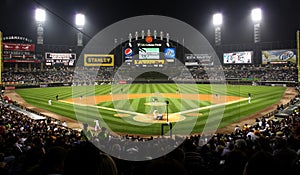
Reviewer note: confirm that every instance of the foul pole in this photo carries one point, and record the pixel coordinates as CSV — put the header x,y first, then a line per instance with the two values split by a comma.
x,y
1,60
298,54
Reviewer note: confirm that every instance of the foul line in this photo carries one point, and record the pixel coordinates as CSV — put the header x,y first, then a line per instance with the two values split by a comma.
x,y
207,107
137,113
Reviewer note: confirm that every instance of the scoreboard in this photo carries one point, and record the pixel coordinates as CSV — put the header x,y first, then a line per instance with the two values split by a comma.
x,y
146,56
18,52
60,59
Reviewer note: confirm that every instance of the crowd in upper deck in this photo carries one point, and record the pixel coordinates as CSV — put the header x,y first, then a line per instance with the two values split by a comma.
x,y
89,75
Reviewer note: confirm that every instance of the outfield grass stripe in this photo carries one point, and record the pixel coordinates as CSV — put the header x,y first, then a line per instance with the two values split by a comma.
x,y
141,104
136,88
174,105
154,88
168,88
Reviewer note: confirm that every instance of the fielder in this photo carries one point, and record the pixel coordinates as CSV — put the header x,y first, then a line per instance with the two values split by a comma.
x,y
97,126
249,98
50,102
154,114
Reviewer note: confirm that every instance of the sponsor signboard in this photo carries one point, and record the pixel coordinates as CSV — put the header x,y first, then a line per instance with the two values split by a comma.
x,y
98,60
198,59
277,56
128,54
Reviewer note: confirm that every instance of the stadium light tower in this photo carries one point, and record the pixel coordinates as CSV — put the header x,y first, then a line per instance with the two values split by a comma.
x,y
79,21
256,15
40,17
217,21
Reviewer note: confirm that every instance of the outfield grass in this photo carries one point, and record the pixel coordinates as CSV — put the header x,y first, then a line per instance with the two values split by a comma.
x,y
262,97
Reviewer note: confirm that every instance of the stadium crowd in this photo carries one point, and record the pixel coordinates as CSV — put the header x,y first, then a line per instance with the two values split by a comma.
x,y
86,75
259,72
28,146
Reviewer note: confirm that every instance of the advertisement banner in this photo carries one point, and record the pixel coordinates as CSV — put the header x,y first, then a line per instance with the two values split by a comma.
x,y
277,56
98,60
22,61
149,62
244,57
19,46
198,59
128,54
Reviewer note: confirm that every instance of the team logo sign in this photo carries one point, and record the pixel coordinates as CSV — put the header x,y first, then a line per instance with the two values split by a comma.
x,y
169,53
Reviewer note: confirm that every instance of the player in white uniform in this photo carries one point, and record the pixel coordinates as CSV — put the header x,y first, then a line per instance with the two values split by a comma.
x,y
154,114
97,126
249,98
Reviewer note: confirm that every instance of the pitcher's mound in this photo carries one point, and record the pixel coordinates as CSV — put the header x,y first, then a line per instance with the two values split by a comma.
x,y
148,118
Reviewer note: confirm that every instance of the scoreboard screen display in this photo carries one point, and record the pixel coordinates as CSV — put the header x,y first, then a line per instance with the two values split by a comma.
x,y
149,56
149,53
60,59
244,57
18,52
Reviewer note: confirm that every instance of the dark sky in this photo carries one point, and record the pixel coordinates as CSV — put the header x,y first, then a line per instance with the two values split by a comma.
x,y
281,18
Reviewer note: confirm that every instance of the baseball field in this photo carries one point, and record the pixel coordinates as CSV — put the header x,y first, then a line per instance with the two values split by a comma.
x,y
128,109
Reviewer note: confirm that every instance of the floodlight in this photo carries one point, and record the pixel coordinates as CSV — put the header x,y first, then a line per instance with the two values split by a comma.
x,y
130,37
136,35
217,19
80,20
161,35
40,15
143,34
256,15
155,34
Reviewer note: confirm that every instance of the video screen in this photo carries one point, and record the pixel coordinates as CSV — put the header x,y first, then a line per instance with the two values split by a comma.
x,y
244,57
149,53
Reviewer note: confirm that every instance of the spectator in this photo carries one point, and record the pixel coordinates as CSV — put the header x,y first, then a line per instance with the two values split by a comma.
x,y
262,163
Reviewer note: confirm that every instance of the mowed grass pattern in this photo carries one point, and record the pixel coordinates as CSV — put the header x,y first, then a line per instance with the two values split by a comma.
x,y
262,97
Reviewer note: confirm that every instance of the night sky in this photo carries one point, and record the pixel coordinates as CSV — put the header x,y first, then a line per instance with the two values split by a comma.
x,y
281,18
